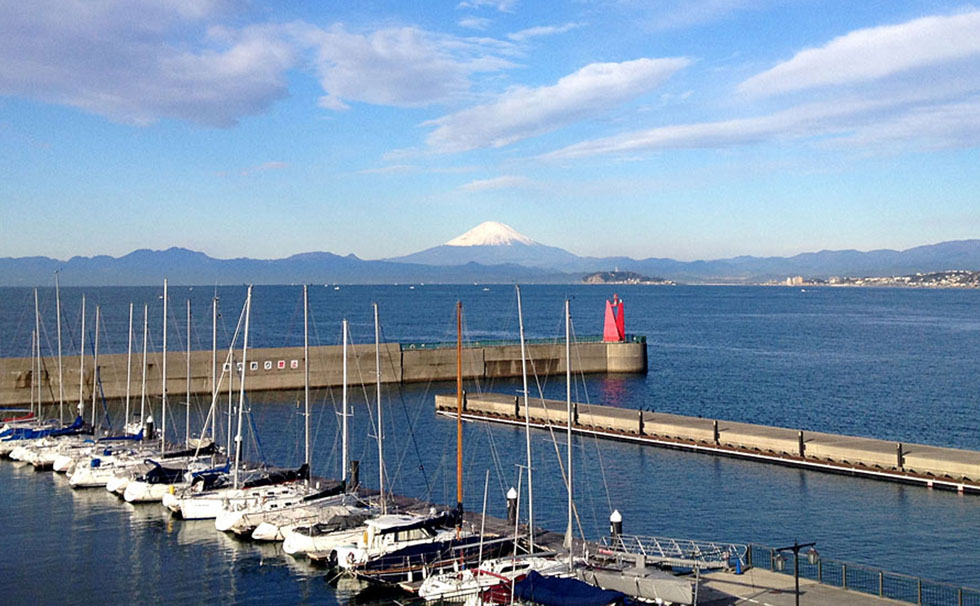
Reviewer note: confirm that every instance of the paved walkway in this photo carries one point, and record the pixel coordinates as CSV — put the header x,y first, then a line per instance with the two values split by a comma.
x,y
764,588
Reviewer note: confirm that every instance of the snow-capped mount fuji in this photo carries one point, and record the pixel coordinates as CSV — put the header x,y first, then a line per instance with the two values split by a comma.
x,y
493,243
491,233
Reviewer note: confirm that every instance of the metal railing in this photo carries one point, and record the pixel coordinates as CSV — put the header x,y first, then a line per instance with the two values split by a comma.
x,y
676,552
869,580
506,342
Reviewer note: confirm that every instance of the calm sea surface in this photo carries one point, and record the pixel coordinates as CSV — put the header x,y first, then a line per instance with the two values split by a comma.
x,y
892,364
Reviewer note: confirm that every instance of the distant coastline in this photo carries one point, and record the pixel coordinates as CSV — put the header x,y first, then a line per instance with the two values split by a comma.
x,y
958,278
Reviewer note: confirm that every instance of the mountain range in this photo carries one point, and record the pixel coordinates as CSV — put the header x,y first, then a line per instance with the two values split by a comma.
x,y
490,253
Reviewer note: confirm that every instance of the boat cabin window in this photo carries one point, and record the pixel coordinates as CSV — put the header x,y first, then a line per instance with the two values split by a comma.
x,y
412,535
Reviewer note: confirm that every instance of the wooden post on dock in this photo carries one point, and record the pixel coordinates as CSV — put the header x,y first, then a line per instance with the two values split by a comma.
x,y
517,407
802,446
639,429
900,457
716,434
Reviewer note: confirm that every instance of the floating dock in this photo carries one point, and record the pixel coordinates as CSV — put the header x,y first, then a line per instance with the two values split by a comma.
x,y
930,466
272,369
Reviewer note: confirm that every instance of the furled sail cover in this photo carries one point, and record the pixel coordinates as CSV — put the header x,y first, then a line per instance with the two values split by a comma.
x,y
563,592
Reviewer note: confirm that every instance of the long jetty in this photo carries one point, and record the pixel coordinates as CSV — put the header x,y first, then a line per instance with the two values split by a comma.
x,y
273,369
930,466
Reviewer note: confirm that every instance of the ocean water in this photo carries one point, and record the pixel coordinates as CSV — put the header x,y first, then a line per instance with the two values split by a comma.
x,y
887,363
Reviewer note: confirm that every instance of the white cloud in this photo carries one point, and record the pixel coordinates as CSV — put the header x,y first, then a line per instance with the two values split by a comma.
x,y
920,121
542,30
939,126
478,23
402,67
873,53
524,112
915,85
502,182
138,61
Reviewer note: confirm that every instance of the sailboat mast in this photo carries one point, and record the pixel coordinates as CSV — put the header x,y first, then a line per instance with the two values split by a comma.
x,y
214,364
568,407
95,369
81,365
163,420
527,425
187,416
146,322
36,376
232,374
241,388
306,374
34,373
61,369
343,431
129,366
377,367
459,409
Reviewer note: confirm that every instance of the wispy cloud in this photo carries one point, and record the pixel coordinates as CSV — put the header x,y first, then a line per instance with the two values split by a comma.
x,y
137,61
524,112
913,85
400,67
502,182
921,121
542,30
870,54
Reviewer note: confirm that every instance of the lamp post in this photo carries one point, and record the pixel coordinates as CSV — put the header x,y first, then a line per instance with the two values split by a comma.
x,y
812,557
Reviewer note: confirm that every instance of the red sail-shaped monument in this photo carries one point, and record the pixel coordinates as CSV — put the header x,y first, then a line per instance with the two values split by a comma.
x,y
614,329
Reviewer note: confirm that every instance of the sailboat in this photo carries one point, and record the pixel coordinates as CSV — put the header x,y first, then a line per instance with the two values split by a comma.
x,y
19,439
321,524
494,574
308,529
243,516
204,496
158,480
406,547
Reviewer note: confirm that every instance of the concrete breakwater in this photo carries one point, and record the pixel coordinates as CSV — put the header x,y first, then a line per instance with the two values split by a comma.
x,y
282,368
921,464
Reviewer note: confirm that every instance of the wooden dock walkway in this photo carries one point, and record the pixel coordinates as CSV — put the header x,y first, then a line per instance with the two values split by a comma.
x,y
931,466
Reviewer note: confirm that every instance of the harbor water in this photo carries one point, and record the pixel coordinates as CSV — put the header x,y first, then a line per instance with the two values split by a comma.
x,y
886,363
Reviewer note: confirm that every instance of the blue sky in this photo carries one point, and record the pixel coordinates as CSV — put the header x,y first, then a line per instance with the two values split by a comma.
x,y
692,129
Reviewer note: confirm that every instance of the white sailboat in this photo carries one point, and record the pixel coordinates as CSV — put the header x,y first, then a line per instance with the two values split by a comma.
x,y
399,548
249,487
152,485
469,584
244,515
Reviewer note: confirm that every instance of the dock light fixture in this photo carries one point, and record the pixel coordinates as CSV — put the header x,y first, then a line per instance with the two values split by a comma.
x,y
779,561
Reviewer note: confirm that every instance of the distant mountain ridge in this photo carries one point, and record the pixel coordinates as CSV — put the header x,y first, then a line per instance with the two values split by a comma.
x,y
490,253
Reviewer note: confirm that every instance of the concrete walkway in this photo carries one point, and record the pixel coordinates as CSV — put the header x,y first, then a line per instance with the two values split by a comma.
x,y
764,588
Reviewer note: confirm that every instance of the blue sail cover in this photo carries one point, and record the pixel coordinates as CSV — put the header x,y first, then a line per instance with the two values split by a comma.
x,y
553,591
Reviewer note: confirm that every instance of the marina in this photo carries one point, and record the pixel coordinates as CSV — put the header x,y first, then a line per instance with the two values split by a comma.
x,y
273,413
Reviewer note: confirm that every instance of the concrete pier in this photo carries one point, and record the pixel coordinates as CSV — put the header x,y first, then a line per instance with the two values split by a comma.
x,y
282,368
930,466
